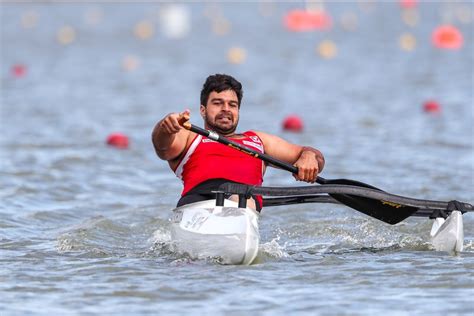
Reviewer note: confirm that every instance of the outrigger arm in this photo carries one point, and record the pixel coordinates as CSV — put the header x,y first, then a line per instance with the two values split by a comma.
x,y
447,232
276,196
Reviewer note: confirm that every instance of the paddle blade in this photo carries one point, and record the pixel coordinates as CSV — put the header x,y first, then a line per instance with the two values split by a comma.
x,y
388,212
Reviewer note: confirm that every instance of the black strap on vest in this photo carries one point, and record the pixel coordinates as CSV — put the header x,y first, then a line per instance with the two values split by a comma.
x,y
205,191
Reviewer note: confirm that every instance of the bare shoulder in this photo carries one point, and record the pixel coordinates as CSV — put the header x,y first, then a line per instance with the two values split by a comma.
x,y
279,147
265,137
271,140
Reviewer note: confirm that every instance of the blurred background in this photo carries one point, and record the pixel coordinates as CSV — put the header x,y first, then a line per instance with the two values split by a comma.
x,y
367,82
383,88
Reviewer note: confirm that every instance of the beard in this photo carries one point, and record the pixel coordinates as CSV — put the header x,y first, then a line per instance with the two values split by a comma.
x,y
223,129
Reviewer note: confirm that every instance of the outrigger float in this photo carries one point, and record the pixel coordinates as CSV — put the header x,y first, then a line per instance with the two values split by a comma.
x,y
228,230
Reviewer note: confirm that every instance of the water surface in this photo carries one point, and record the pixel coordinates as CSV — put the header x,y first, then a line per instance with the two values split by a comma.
x,y
84,227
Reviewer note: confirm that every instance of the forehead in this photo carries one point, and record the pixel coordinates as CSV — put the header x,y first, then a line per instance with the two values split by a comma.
x,y
226,95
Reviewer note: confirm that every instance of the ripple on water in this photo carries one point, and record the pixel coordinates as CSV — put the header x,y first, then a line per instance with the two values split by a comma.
x,y
102,236
83,226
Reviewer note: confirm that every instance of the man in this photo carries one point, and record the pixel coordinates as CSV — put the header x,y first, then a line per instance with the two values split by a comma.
x,y
204,164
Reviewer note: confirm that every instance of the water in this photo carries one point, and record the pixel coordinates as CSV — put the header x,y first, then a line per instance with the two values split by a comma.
x,y
84,227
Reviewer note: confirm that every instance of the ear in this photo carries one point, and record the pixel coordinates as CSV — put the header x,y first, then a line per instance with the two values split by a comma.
x,y
202,110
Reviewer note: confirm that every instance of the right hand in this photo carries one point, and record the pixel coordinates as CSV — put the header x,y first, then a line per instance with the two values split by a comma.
x,y
173,122
308,167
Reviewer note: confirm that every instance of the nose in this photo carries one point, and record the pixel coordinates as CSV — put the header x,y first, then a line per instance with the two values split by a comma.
x,y
226,107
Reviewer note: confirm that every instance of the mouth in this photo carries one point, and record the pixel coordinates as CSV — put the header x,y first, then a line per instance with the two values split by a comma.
x,y
222,123
224,118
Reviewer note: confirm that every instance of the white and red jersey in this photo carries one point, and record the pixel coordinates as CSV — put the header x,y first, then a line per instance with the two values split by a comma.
x,y
207,159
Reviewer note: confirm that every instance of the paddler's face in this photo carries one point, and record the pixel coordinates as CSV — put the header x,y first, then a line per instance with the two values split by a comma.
x,y
221,114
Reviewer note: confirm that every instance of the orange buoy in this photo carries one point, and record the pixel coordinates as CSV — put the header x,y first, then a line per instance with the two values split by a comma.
x,y
236,55
144,30
302,20
118,140
293,123
327,49
18,70
66,35
130,63
407,42
432,106
447,37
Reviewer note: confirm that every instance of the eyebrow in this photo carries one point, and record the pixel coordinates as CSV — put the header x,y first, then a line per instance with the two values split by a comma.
x,y
222,100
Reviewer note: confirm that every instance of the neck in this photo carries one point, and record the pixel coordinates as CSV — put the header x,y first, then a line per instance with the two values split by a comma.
x,y
227,134
220,132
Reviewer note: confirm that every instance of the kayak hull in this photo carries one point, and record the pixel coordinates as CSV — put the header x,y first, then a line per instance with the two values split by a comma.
x,y
203,230
448,234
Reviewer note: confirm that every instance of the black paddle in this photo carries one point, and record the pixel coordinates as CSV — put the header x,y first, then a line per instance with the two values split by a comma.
x,y
385,211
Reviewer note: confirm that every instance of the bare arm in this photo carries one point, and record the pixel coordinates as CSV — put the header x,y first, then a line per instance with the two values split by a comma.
x,y
310,161
169,137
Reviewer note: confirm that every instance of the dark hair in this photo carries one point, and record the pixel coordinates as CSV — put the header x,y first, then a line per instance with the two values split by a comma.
x,y
219,83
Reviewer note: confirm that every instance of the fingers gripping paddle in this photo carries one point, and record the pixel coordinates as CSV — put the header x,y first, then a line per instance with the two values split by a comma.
x,y
385,211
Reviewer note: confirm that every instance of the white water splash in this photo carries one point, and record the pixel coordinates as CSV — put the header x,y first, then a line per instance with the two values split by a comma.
x,y
272,249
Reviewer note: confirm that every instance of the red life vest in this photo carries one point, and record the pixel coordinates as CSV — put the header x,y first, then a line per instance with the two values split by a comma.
x,y
207,159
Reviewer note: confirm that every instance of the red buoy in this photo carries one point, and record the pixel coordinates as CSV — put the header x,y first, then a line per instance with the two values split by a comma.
x,y
302,20
408,4
18,70
118,140
293,123
432,106
447,37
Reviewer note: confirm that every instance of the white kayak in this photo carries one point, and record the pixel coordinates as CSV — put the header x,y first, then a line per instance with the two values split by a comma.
x,y
448,234
203,230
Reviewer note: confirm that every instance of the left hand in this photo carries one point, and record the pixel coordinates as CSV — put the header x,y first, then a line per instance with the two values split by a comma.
x,y
308,167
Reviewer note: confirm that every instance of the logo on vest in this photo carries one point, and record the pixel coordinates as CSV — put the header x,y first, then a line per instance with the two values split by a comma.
x,y
207,140
255,139
252,144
